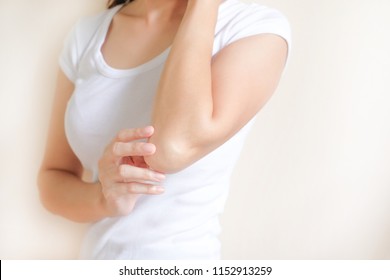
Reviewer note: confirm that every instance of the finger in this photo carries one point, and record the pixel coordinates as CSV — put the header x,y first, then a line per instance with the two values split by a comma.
x,y
131,173
121,149
123,189
132,134
139,188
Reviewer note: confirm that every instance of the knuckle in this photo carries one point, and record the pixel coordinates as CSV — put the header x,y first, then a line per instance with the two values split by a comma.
x,y
141,173
126,149
128,134
114,148
124,134
117,149
137,188
150,190
138,132
133,187
138,147
122,170
149,174
109,194
125,173
120,135
126,180
132,148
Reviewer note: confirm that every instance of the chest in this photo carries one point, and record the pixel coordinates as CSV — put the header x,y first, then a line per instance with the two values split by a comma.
x,y
130,43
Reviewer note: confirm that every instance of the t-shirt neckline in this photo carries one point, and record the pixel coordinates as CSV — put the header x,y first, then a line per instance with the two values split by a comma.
x,y
112,72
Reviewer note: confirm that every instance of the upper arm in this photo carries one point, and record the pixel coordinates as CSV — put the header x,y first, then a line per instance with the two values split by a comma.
x,y
58,154
244,76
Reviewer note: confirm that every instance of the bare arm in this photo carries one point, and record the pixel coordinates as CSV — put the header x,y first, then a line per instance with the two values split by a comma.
x,y
201,102
62,190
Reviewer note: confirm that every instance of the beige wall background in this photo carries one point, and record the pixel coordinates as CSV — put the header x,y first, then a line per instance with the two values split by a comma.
x,y
313,181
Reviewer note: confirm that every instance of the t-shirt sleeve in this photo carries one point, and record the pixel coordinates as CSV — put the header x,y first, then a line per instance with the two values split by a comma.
x,y
255,19
69,56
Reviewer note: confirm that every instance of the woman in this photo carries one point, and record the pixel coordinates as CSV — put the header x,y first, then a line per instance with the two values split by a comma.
x,y
155,98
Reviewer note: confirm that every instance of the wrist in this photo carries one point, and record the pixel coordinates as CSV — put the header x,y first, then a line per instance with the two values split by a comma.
x,y
199,20
100,202
207,6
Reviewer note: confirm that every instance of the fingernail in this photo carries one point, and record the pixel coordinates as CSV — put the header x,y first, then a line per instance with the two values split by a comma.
x,y
148,129
138,189
159,176
148,148
159,189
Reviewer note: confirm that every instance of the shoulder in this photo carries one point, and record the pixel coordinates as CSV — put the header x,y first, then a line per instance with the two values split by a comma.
x,y
236,11
238,20
86,27
78,40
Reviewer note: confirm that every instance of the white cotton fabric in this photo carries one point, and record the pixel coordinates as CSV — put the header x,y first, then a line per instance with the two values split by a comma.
x,y
183,222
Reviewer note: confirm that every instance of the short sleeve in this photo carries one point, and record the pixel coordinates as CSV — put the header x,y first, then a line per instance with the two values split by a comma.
x,y
68,59
254,19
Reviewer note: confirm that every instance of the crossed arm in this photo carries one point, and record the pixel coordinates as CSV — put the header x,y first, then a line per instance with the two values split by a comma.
x,y
201,102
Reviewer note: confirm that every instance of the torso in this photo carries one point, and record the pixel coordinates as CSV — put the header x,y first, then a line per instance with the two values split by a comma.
x,y
182,223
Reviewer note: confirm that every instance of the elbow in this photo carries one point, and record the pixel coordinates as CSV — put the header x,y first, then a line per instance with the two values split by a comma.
x,y
177,149
170,157
43,191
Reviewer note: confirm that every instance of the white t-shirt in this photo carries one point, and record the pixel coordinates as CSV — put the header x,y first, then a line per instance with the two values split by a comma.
x,y
183,222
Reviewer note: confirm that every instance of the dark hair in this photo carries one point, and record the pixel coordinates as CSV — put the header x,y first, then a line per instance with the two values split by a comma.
x,y
113,3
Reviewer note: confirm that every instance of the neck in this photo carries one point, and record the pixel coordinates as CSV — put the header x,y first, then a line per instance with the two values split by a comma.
x,y
156,10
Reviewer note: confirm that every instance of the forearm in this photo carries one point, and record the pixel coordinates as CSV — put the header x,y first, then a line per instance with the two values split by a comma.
x,y
65,194
183,106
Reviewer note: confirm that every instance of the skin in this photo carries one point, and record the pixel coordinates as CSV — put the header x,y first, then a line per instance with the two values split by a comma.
x,y
209,100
